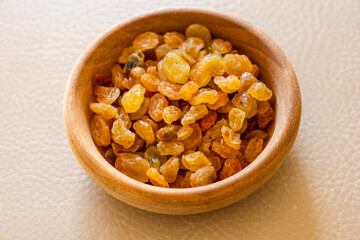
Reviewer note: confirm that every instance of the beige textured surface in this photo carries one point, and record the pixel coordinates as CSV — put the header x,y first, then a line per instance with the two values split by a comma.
x,y
45,194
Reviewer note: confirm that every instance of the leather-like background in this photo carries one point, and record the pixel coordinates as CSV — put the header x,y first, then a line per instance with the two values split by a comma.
x,y
45,194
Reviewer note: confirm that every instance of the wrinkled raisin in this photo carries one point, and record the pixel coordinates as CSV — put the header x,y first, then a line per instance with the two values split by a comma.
x,y
170,169
133,166
132,99
100,131
203,176
145,41
157,104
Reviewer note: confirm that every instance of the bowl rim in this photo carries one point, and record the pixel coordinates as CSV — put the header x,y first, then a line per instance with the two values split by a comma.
x,y
269,153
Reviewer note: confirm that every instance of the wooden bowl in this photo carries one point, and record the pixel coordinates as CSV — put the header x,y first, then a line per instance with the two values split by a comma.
x,y
276,72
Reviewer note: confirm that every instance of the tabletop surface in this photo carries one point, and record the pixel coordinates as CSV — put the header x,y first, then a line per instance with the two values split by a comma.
x,y
45,194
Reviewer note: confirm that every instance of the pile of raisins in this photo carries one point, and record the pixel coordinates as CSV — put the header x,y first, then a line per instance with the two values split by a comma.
x,y
180,110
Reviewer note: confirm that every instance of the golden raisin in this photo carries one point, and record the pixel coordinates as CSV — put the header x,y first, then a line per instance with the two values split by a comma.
x,y
150,82
256,133
121,135
260,92
205,95
137,145
203,176
262,107
194,161
117,76
153,156
156,178
253,149
161,51
223,99
265,118
157,104
236,118
170,169
215,131
170,90
200,31
136,59
213,64
226,108
147,119
215,160
124,55
194,140
236,64
145,41
208,121
192,46
151,65
145,131
198,75
132,99
124,116
173,148
136,74
246,103
220,147
231,166
107,111
100,131
175,68
195,113
132,165
184,132
231,138
174,39
188,90
255,71
221,46
171,114
161,73
229,84
141,111
167,133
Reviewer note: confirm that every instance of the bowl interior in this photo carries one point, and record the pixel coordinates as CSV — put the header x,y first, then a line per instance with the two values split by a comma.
x,y
275,70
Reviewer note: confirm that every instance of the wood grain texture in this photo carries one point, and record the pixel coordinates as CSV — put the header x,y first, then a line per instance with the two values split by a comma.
x,y
276,72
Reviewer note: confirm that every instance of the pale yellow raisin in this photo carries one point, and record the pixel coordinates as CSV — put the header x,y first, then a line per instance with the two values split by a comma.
x,y
194,161
236,118
132,99
175,68
260,92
